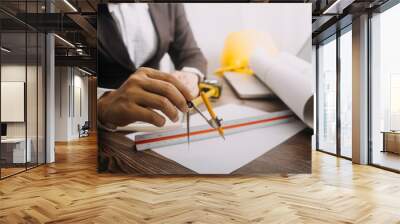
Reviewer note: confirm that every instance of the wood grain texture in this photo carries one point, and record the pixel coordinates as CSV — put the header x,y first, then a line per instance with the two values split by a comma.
x,y
71,191
117,153
92,99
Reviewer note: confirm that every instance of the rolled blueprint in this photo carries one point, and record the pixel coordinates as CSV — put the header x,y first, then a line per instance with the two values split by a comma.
x,y
290,78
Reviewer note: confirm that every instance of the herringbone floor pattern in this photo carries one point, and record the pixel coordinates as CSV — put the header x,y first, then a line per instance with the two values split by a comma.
x,y
71,191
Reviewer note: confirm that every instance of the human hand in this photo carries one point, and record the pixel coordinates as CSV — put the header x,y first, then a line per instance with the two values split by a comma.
x,y
189,80
145,90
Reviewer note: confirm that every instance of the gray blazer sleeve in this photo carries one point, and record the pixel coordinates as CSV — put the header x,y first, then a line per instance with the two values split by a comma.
x,y
183,50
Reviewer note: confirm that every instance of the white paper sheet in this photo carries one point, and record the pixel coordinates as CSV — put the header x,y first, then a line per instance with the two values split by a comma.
x,y
147,127
290,78
216,156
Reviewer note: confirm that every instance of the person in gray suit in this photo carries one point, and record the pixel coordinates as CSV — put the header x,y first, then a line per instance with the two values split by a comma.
x,y
132,39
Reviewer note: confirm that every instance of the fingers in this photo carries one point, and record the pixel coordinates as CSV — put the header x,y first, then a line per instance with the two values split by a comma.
x,y
148,116
190,80
160,103
169,92
145,90
131,113
155,83
155,74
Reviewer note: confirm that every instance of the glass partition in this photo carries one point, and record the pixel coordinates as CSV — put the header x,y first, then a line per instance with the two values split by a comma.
x,y
327,96
14,153
385,89
31,99
22,77
346,93
41,97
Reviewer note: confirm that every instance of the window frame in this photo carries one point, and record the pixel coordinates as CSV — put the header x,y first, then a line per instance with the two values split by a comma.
x,y
334,37
381,9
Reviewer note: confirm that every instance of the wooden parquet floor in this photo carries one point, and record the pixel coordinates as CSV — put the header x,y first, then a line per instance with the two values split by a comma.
x,y
71,191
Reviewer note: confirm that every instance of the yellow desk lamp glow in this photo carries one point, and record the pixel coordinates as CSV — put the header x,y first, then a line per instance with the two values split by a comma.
x,y
238,48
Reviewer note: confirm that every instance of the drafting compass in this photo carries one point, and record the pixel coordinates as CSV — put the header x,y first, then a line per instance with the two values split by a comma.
x,y
214,122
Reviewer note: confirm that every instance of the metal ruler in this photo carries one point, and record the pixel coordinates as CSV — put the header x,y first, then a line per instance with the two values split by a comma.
x,y
200,132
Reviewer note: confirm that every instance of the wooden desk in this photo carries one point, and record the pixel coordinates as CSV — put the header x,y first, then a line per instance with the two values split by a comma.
x,y
391,141
13,151
117,153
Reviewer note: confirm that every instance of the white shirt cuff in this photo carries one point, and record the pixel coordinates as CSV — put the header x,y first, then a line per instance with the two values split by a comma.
x,y
101,91
195,71
103,127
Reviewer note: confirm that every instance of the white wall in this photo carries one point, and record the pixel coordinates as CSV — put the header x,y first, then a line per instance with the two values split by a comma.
x,y
80,84
61,103
69,81
288,24
16,72
34,125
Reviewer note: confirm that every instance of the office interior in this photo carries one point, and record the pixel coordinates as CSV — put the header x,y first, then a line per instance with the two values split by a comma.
x,y
374,93
48,78
45,96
